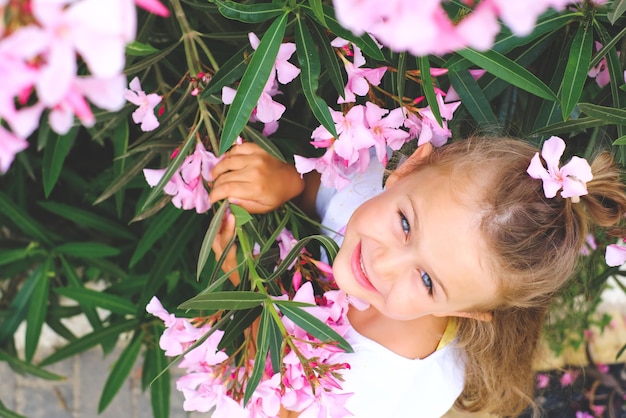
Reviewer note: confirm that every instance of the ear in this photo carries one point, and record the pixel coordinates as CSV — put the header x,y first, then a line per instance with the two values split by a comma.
x,y
479,316
422,152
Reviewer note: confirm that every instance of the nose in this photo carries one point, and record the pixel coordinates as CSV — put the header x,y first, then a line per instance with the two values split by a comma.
x,y
390,262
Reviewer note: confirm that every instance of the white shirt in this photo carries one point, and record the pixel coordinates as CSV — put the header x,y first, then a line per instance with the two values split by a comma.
x,y
385,384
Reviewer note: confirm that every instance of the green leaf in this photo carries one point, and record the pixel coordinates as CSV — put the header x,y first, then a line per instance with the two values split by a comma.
x,y
509,71
401,76
570,125
620,141
329,244
209,237
229,72
19,305
57,148
126,176
90,340
329,59
121,370
87,249
318,10
607,114
159,225
429,87
37,309
7,413
267,145
160,388
312,325
262,346
365,42
24,222
275,340
472,97
172,167
253,82
309,75
120,147
29,368
94,298
234,300
240,321
618,7
576,69
11,256
87,219
249,13
139,49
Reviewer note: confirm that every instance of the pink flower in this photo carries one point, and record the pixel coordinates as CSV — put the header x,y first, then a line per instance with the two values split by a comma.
x,y
359,79
589,246
615,255
10,145
572,177
601,71
144,114
583,414
179,332
153,6
543,380
386,131
187,183
598,410
569,377
285,71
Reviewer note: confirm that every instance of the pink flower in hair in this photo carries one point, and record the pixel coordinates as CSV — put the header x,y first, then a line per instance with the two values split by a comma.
x,y
572,177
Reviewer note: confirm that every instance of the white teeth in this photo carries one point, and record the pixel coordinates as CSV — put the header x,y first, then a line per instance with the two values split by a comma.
x,y
362,267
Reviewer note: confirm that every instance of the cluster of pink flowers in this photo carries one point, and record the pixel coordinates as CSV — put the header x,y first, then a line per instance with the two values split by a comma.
x,y
187,185
268,111
213,380
424,27
38,64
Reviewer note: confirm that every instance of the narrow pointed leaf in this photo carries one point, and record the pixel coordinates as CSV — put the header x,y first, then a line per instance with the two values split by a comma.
x,y
607,114
576,69
329,59
121,370
309,61
139,49
87,249
159,225
160,388
249,13
313,326
21,219
472,97
94,298
172,167
253,82
57,148
401,75
570,125
509,71
329,244
7,413
119,138
620,141
126,177
618,7
233,300
209,237
231,71
429,87
88,341
275,341
262,346
28,368
240,321
18,308
365,42
86,219
38,306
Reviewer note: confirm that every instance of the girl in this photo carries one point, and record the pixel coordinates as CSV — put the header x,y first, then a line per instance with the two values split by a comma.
x,y
458,258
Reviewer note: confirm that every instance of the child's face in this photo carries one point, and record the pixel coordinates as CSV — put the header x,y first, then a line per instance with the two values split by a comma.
x,y
405,246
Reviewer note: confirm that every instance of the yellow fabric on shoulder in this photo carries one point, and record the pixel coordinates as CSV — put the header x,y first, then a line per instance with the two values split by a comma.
x,y
449,334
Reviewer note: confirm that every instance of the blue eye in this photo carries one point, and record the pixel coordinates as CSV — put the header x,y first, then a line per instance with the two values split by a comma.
x,y
404,223
427,282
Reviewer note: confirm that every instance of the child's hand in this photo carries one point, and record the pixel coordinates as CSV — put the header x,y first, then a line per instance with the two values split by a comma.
x,y
223,237
251,178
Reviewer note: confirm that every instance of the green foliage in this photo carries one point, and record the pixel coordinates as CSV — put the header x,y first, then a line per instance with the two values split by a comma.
x,y
78,213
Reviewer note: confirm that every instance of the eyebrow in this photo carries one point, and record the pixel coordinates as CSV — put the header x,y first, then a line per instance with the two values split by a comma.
x,y
432,275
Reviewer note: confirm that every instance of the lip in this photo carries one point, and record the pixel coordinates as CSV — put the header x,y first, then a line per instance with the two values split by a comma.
x,y
357,270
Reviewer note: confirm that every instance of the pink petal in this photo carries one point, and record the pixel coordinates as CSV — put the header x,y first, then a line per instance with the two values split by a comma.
x,y
254,40
579,168
153,6
572,188
286,71
228,95
615,255
552,151
57,76
108,94
153,176
480,28
10,145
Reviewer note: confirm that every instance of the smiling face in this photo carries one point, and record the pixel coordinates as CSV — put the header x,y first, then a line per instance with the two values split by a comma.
x,y
416,250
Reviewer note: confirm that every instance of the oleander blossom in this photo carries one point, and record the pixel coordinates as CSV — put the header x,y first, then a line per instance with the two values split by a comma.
x,y
144,114
572,177
213,380
187,184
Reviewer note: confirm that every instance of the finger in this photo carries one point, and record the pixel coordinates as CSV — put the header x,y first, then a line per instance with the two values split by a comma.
x,y
245,148
252,206
236,189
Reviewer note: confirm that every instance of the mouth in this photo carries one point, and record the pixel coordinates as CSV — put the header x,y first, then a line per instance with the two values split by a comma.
x,y
358,269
